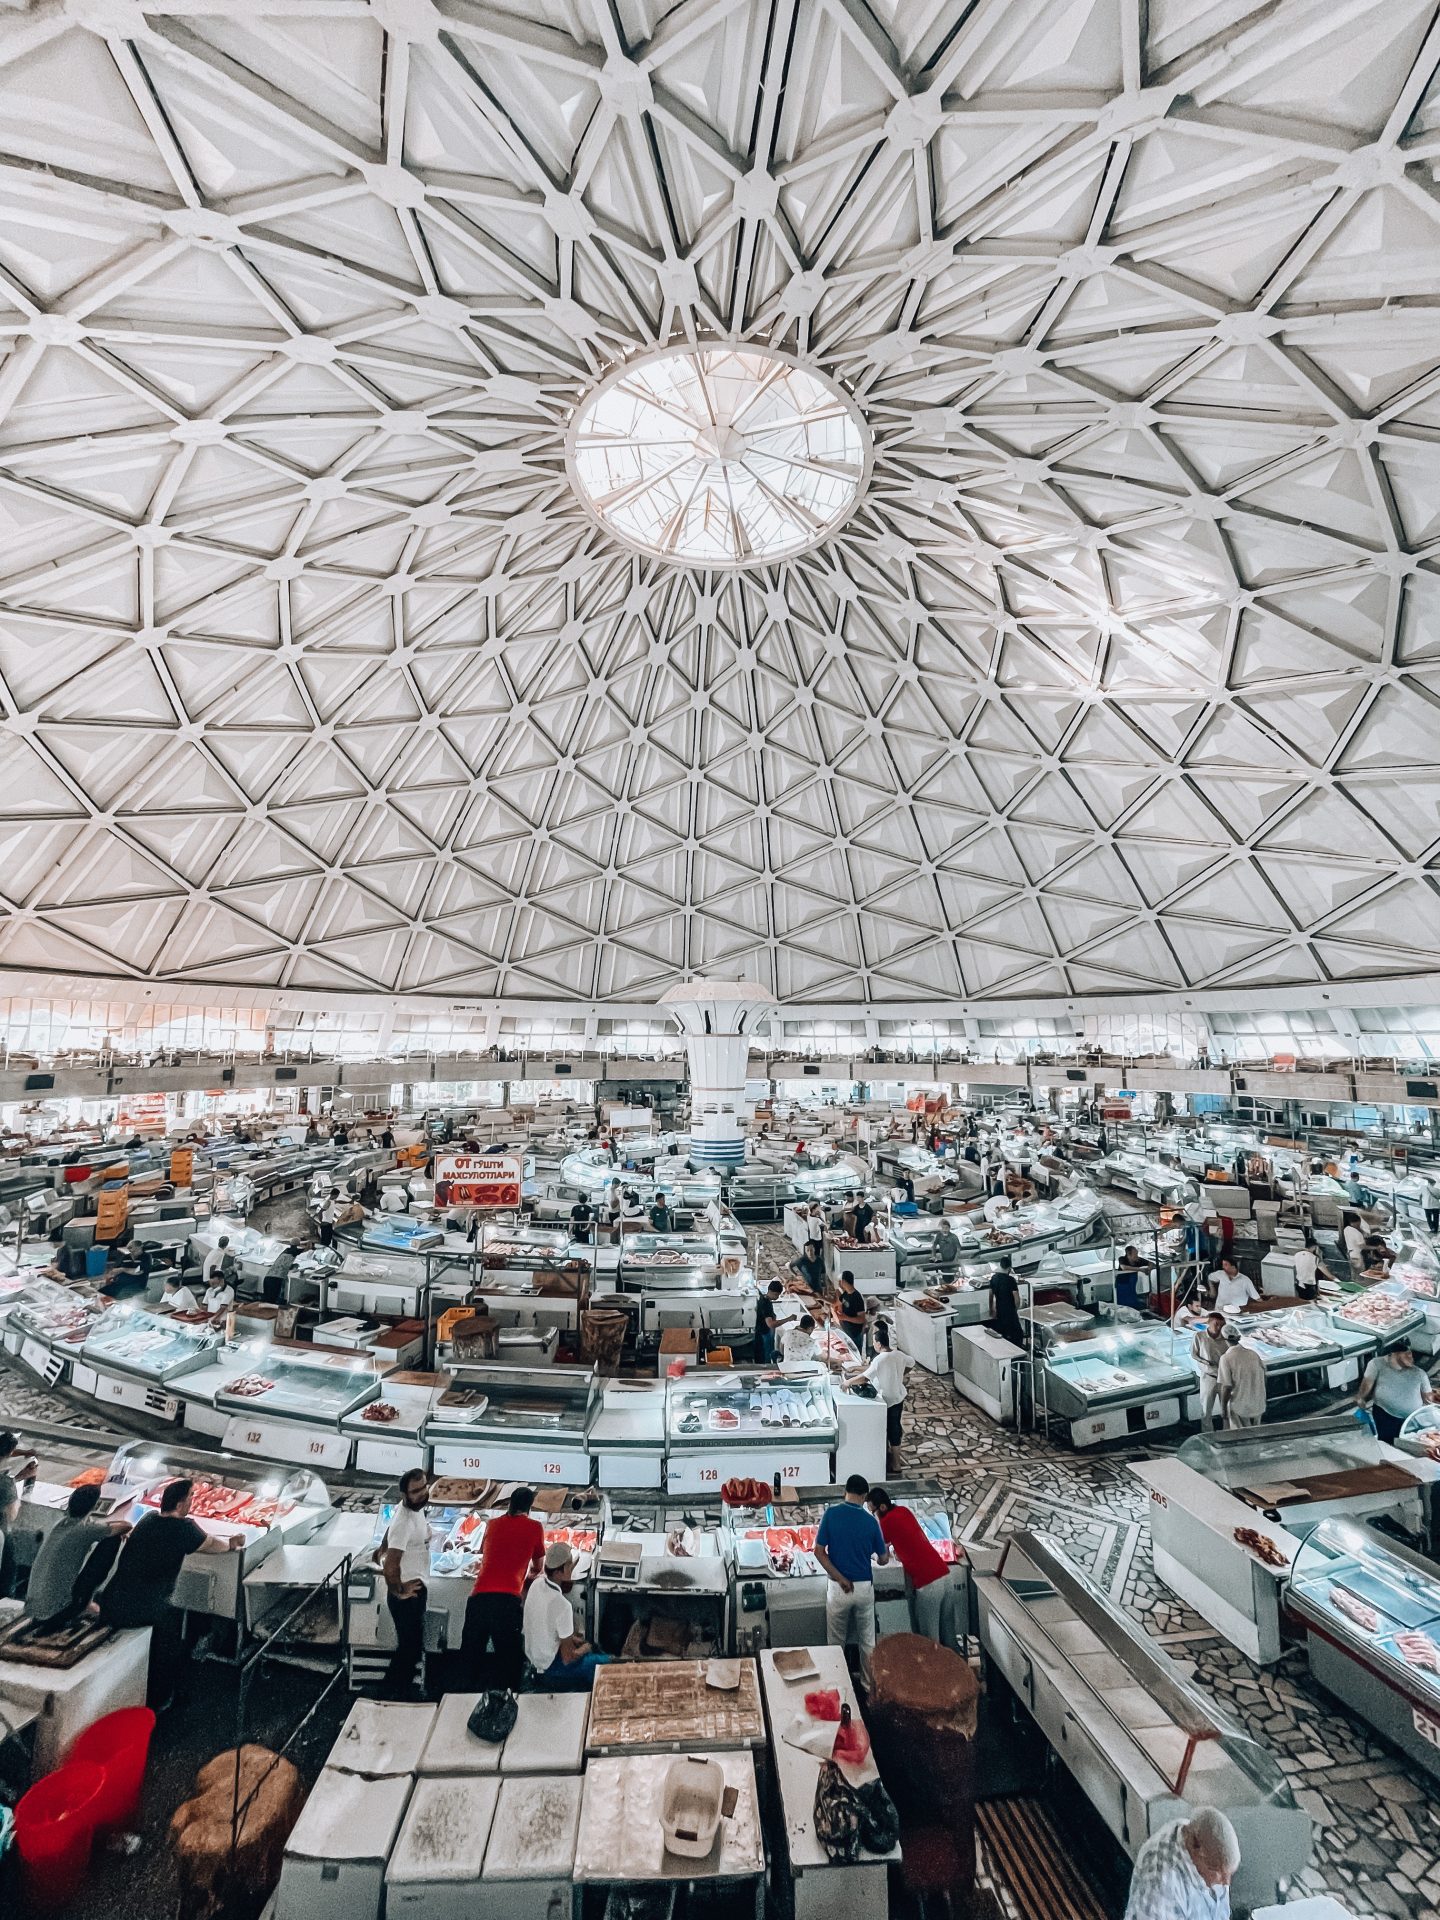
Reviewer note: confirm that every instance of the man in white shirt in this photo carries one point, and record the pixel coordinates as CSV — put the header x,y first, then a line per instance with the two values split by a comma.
x,y
219,1297
405,1562
1308,1270
1208,1349
1430,1201
563,1659
1233,1289
885,1370
1242,1383
176,1297
1184,1871
1353,1235
214,1261
798,1341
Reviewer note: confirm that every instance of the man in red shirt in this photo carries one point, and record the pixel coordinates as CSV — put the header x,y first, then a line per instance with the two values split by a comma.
x,y
513,1552
926,1575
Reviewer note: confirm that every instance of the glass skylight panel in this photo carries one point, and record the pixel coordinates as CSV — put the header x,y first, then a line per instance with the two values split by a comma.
x,y
719,456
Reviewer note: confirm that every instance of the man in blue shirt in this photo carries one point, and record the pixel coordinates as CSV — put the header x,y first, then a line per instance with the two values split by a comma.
x,y
847,1542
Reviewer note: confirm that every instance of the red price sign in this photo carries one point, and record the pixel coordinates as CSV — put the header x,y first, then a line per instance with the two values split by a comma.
x,y
487,1180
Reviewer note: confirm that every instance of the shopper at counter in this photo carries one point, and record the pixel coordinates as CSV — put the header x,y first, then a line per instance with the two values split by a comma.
x,y
1184,1871
138,1593
849,1310
405,1561
849,1545
947,1250
1430,1202
885,1370
513,1553
1207,1350
1004,1307
800,1341
809,1266
218,1263
927,1578
74,1557
1231,1289
1241,1379
1308,1270
564,1661
176,1297
1393,1387
1128,1269
767,1321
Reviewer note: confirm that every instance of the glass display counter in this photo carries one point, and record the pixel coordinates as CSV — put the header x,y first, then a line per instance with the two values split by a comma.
x,y
1305,1350
153,1347
296,1383
1386,1313
668,1262
1143,1743
748,1424
514,1423
1372,1613
1120,1379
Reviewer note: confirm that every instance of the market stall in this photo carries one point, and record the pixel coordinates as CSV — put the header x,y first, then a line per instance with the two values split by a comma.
x,y
748,1423
514,1422
1371,1610
1228,1513
1122,1378
1143,1744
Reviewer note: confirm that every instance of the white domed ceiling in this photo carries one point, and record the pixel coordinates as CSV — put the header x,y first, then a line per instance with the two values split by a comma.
x,y
1122,676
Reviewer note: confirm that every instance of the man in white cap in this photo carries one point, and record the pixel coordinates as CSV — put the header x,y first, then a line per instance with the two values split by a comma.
x,y
563,1660
1184,1871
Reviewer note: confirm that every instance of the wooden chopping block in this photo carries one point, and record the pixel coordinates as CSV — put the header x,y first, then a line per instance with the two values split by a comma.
x,y
922,1711
211,1886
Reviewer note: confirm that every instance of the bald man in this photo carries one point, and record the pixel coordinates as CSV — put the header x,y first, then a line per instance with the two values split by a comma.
x,y
1184,1871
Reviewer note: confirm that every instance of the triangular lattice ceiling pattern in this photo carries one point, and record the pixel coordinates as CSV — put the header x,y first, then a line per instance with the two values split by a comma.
x,y
1123,677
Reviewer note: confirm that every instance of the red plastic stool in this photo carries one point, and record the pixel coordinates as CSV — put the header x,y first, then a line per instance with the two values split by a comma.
x,y
54,1830
119,1745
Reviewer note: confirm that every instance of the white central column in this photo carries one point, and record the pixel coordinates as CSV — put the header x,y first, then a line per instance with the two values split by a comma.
x,y
718,1019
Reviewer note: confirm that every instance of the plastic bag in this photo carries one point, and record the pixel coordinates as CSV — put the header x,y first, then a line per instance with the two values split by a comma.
x,y
852,1742
837,1814
823,1704
493,1716
879,1820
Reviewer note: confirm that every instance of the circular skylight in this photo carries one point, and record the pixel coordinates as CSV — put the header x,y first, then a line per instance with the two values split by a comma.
x,y
719,456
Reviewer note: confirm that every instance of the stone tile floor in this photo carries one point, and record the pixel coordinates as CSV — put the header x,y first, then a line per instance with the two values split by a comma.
x,y
1377,1818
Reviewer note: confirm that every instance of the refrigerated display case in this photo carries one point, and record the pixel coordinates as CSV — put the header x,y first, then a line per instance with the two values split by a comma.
x,y
1305,1350
518,1252
668,1263
151,1347
1417,1275
1371,1610
269,1507
1224,1494
1122,1379
288,1402
259,1257
1137,1173
759,1192
1143,1743
514,1423
1385,1313
1420,1435
748,1424
48,1325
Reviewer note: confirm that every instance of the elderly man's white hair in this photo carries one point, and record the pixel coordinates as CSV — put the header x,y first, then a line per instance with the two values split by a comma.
x,y
1213,1837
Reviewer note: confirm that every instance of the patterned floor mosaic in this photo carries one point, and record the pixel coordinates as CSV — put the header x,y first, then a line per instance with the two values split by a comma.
x,y
1377,1818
